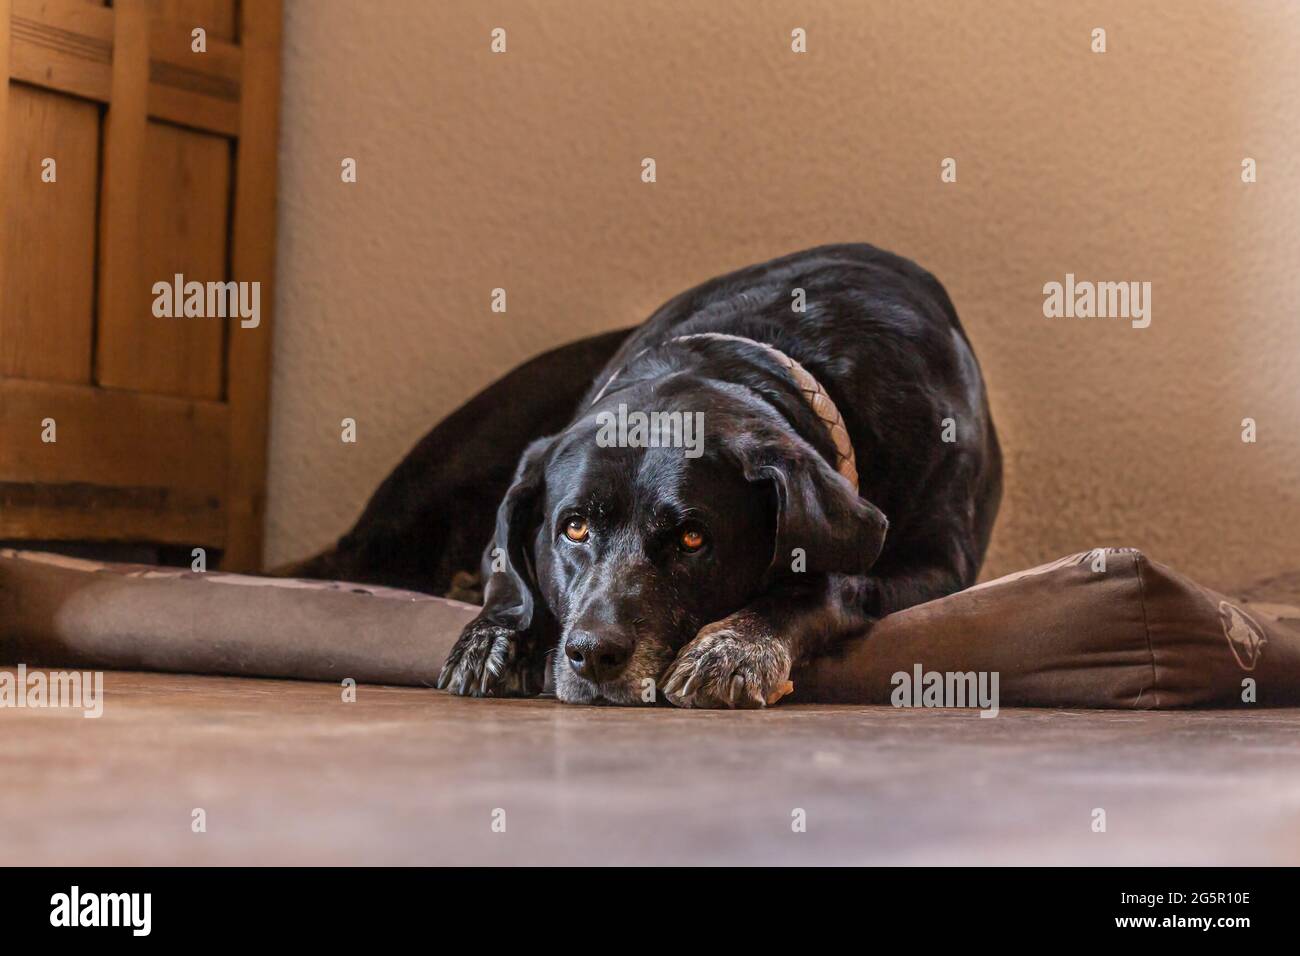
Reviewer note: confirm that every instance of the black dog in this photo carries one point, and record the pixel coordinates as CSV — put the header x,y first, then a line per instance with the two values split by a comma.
x,y
706,553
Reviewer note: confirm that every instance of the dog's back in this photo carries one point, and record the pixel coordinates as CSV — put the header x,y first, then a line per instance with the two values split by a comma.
x,y
876,329
882,336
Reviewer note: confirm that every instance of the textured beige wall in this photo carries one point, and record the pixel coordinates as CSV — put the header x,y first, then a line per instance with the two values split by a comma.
x,y
522,170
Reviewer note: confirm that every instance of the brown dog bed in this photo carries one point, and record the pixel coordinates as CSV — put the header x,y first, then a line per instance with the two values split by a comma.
x,y
1104,628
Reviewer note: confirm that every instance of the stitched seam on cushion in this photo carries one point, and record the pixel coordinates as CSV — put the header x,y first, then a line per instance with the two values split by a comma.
x,y
1146,626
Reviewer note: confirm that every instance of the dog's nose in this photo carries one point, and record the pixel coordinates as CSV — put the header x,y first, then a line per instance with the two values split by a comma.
x,y
598,656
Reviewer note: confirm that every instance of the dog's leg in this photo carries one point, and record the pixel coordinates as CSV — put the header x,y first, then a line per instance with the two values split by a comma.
x,y
502,651
494,660
745,659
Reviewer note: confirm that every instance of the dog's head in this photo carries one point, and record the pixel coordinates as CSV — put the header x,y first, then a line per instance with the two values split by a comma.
x,y
638,525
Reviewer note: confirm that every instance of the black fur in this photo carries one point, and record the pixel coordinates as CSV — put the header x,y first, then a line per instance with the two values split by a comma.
x,y
632,615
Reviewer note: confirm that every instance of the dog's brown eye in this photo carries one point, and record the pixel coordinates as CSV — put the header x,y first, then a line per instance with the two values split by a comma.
x,y
691,539
576,529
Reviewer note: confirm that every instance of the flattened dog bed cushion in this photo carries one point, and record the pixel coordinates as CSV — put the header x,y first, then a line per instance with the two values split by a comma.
x,y
1105,628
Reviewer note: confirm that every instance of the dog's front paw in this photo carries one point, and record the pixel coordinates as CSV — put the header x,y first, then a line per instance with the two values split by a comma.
x,y
735,662
490,660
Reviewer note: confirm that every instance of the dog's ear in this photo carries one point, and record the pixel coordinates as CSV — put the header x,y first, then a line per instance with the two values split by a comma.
x,y
510,595
818,511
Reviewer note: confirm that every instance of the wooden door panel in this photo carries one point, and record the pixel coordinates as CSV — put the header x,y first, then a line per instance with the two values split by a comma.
x,y
215,16
161,421
67,46
196,90
184,218
64,45
47,300
124,466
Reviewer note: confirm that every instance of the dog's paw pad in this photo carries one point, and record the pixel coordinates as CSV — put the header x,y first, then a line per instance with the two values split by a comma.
x,y
728,666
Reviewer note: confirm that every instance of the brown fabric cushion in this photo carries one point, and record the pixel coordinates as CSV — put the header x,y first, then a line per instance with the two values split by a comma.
x,y
1136,635
1066,634
68,612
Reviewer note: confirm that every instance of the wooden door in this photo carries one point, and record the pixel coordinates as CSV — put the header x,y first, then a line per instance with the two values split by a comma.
x,y
137,142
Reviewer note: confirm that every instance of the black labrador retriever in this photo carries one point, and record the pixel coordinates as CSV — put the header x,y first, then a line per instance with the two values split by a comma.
x,y
772,461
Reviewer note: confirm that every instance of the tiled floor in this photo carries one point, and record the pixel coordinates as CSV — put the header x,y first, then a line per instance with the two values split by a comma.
x,y
287,772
